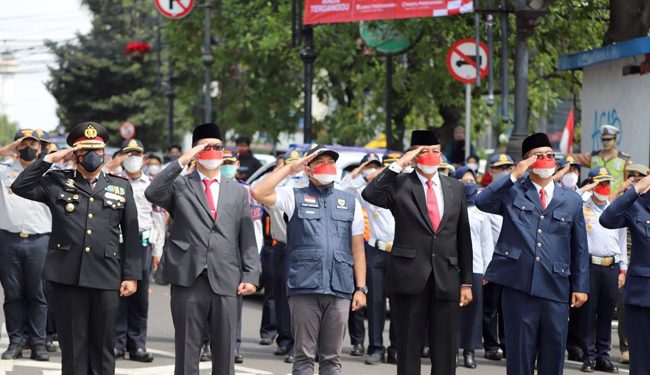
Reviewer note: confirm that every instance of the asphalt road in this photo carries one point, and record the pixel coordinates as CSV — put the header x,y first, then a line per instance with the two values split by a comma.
x,y
257,359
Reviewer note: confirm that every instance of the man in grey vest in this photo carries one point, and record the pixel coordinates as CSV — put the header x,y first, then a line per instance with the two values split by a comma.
x,y
326,257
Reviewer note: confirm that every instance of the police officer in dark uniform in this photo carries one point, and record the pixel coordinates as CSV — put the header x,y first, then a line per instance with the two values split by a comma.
x,y
84,262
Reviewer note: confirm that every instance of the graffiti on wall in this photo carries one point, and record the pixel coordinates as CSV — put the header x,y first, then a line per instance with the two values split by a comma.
x,y
609,117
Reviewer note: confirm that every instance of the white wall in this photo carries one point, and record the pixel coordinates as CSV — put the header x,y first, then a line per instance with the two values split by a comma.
x,y
608,97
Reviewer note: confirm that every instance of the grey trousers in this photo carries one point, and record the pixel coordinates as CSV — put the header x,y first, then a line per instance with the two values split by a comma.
x,y
318,325
195,310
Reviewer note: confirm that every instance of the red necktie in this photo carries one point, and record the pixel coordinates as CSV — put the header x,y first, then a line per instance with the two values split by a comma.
x,y
432,206
208,194
542,197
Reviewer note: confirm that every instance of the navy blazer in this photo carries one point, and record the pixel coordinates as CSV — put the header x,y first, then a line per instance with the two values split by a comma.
x,y
633,211
540,252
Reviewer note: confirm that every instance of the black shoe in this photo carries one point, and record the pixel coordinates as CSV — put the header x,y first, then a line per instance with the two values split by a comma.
x,y
266,341
587,366
375,359
281,350
14,351
425,352
50,347
391,357
39,353
290,357
119,353
239,358
605,366
493,355
468,356
574,354
141,355
357,350
206,353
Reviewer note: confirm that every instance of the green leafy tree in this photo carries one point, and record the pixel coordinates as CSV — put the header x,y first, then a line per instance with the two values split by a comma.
x,y
7,130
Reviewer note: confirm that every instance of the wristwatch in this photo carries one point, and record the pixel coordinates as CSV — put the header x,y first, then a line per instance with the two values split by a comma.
x,y
363,289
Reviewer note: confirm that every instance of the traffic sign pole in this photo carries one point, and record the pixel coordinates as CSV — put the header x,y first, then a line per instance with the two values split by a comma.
x,y
468,117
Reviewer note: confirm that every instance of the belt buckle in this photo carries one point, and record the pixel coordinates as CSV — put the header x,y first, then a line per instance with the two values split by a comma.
x,y
23,235
389,247
607,261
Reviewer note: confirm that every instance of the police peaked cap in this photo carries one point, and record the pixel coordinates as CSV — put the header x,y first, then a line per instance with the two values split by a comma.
x,y
424,138
534,141
132,145
208,130
88,134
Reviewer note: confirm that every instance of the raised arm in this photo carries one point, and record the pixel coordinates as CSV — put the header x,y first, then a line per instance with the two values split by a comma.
x,y
30,183
264,192
381,191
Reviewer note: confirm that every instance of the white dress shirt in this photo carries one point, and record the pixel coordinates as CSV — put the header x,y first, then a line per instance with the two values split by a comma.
x,y
549,188
214,187
437,189
482,243
603,242
148,219
278,225
17,214
381,220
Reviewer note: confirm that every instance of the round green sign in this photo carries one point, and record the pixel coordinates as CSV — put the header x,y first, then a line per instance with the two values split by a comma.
x,y
384,37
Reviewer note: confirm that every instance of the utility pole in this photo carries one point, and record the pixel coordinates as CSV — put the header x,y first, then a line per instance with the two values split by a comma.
x,y
207,60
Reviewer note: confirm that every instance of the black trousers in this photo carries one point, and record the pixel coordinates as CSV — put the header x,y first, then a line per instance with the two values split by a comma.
x,y
267,326
412,313
638,324
85,322
356,327
599,311
282,312
195,310
376,266
493,331
131,330
471,317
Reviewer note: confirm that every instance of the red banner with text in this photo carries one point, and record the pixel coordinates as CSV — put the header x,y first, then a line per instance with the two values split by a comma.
x,y
334,11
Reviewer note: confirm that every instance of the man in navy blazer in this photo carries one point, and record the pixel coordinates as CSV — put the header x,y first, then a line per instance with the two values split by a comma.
x,y
632,210
540,260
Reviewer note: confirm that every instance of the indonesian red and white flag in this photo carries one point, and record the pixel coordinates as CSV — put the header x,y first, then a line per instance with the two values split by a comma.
x,y
566,143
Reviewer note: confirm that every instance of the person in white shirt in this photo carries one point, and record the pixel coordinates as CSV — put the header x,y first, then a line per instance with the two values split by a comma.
x,y
378,248
471,316
607,271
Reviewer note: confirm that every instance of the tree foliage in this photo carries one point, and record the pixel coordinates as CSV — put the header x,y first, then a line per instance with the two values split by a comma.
x,y
7,130
259,73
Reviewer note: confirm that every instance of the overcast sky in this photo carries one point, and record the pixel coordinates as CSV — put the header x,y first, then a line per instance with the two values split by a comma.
x,y
23,27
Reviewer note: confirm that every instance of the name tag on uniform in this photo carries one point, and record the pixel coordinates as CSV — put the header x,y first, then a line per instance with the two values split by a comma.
x,y
309,201
341,204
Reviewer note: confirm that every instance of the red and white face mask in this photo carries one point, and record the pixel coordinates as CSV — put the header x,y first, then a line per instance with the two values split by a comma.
x,y
325,173
602,192
544,167
428,162
210,159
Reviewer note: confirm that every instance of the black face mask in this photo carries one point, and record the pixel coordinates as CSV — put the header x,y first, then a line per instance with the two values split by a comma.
x,y
91,161
28,154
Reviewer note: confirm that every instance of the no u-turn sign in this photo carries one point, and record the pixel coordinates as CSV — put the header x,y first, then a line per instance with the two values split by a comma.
x,y
174,9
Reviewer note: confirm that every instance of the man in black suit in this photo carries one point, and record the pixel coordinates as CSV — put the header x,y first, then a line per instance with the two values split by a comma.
x,y
430,270
210,257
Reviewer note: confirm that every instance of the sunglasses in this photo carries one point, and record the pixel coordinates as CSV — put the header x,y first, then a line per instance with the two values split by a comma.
x,y
548,156
213,147
605,140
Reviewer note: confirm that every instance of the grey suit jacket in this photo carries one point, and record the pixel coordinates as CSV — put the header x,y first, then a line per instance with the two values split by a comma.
x,y
226,246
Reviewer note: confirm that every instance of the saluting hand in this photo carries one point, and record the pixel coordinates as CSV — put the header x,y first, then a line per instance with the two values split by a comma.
x,y
299,165
128,287
588,187
10,148
642,185
57,156
189,155
358,170
561,172
246,289
408,157
523,166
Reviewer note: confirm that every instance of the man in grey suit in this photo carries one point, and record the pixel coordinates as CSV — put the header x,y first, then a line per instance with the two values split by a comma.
x,y
211,254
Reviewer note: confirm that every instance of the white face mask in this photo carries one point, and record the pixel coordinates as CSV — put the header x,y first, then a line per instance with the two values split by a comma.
x,y
153,170
600,197
544,172
132,164
428,169
569,180
472,166
368,172
325,179
210,164
408,169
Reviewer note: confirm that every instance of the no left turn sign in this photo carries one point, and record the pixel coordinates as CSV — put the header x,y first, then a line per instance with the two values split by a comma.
x,y
174,9
461,60
127,130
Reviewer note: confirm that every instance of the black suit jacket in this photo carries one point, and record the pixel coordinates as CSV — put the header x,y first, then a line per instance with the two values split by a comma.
x,y
226,246
84,248
418,250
